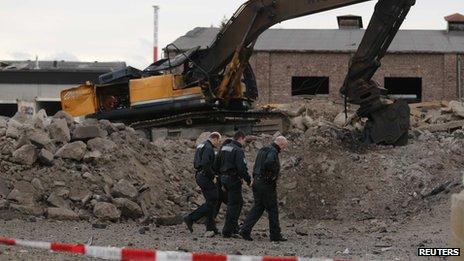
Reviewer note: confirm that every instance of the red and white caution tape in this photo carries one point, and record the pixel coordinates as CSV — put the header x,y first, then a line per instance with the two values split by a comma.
x,y
128,254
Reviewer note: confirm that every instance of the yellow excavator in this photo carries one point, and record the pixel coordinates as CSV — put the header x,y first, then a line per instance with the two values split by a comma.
x,y
218,85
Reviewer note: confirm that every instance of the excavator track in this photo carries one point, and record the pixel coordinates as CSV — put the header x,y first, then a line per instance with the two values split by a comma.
x,y
255,122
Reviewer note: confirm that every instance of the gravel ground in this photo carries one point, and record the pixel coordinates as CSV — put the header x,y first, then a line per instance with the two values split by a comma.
x,y
367,240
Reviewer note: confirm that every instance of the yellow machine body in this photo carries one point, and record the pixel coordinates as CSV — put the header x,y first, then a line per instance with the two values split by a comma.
x,y
156,93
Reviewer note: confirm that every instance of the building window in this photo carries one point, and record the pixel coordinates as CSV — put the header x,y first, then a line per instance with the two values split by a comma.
x,y
310,86
408,88
8,109
50,107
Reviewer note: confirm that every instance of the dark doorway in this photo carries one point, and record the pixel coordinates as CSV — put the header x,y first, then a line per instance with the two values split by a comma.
x,y
50,107
407,88
310,86
8,109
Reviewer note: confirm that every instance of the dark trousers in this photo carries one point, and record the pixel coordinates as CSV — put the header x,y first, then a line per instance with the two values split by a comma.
x,y
222,196
233,185
265,198
209,190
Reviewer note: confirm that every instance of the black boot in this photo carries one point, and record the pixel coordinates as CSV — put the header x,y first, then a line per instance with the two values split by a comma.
x,y
245,236
278,239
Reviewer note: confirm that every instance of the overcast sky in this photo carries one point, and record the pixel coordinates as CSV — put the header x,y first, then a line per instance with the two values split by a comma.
x,y
121,30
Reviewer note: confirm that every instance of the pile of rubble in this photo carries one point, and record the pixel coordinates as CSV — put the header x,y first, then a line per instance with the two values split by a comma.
x,y
98,170
55,167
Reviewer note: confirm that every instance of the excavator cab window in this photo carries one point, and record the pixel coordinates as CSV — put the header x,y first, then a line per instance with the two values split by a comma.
x,y
113,97
310,86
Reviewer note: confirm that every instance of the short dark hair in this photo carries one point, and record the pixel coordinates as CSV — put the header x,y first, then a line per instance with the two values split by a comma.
x,y
239,134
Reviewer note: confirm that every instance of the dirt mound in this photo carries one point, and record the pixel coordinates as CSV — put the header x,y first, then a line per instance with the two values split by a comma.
x,y
329,175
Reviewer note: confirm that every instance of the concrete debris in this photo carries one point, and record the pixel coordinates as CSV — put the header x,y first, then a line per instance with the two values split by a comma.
x,y
327,173
64,115
75,150
62,214
46,157
26,155
88,132
59,130
124,189
106,211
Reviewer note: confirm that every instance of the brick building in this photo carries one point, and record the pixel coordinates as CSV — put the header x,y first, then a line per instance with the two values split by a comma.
x,y
291,64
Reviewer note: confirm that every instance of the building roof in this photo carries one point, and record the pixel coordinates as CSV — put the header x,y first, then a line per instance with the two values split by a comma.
x,y
61,66
334,40
456,18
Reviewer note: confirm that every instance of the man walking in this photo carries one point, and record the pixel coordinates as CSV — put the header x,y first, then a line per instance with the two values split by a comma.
x,y
231,164
203,163
265,175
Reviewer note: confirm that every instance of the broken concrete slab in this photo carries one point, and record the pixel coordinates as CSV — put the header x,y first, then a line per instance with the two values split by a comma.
x,y
39,139
59,131
88,132
46,157
75,150
444,127
124,189
64,115
26,155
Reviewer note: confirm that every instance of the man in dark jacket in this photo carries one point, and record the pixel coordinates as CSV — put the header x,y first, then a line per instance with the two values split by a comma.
x,y
232,167
221,190
265,175
203,163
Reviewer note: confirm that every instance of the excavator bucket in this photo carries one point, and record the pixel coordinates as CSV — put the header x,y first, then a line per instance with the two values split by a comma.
x,y
389,125
79,101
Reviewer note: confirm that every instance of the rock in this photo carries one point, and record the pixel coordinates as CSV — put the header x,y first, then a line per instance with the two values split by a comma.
x,y
143,230
3,122
26,155
89,177
108,126
457,108
62,214
119,126
297,123
87,132
81,195
99,226
92,156
4,191
3,203
101,145
37,184
14,129
341,120
28,209
75,150
307,121
124,189
106,211
55,200
23,140
64,115
40,120
39,139
59,130
129,209
46,157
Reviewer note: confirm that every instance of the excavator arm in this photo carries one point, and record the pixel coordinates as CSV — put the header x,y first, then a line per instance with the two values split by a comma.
x,y
221,66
